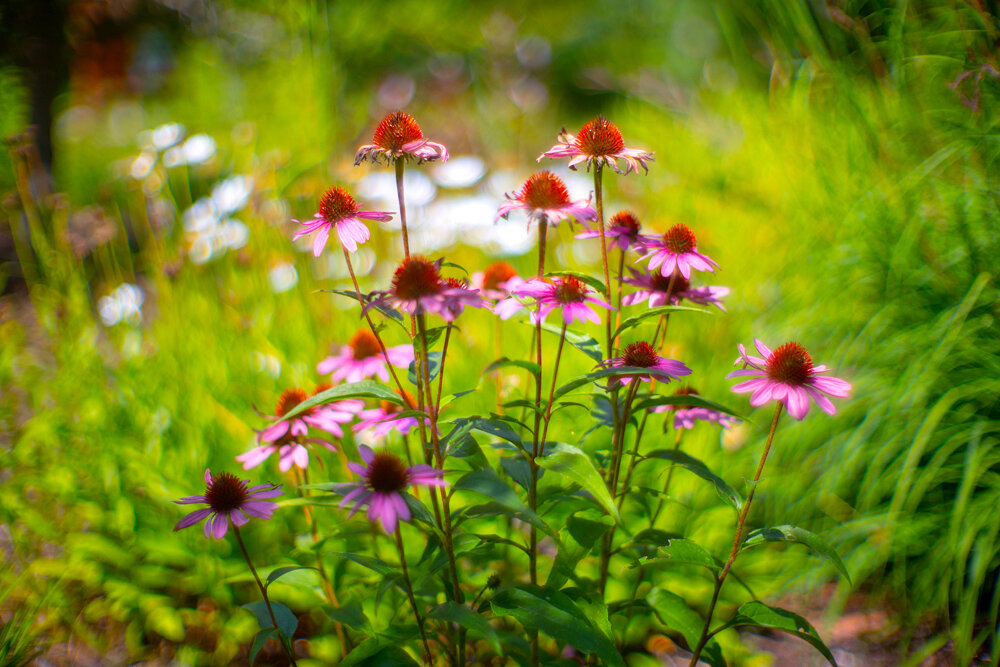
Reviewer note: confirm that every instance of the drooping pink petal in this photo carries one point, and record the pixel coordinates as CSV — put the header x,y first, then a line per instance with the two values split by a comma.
x,y
193,518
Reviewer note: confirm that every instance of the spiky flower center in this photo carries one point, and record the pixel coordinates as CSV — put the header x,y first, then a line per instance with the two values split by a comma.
x,y
455,282
680,239
497,273
337,205
640,355
226,493
627,220
363,345
600,138
683,391
396,130
416,277
661,283
289,399
544,190
570,290
387,473
790,364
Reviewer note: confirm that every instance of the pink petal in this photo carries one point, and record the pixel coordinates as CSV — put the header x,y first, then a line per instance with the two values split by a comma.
x,y
193,518
749,385
320,241
797,402
220,524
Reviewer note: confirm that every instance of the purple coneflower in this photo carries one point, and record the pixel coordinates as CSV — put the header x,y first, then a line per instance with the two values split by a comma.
x,y
398,136
229,499
338,208
568,293
654,286
787,374
544,197
385,477
497,280
362,358
381,420
599,141
642,355
418,288
287,437
623,231
677,249
686,415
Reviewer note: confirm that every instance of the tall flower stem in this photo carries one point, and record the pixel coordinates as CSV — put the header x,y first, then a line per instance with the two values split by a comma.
x,y
666,483
620,290
548,405
399,163
737,540
444,355
409,593
599,203
614,468
285,641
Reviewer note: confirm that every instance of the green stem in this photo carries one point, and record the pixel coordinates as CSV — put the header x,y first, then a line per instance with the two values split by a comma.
x,y
399,162
409,593
286,641
666,484
737,540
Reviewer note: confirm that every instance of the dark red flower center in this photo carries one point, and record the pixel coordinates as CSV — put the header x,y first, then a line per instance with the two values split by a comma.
x,y
387,473
390,408
289,399
790,364
680,239
496,273
625,219
570,290
661,283
416,277
455,282
544,190
683,391
336,205
641,355
600,138
226,493
396,130
364,345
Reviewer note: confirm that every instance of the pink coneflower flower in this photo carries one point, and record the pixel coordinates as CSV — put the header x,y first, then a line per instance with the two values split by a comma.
x,y
385,477
497,280
654,286
545,198
229,499
287,437
382,422
568,293
398,136
338,208
623,231
686,415
642,355
599,141
362,358
787,374
677,249
418,288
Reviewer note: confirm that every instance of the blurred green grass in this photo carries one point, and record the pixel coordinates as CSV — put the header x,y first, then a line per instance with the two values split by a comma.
x,y
847,193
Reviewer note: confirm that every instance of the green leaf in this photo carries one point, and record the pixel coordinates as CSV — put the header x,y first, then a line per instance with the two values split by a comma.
x,y
616,371
434,334
365,388
455,266
692,464
683,551
519,470
377,652
258,641
486,482
433,369
351,615
468,619
555,614
498,428
287,621
674,612
586,344
391,313
688,399
495,508
761,615
572,463
282,571
503,362
788,533
373,564
594,283
655,312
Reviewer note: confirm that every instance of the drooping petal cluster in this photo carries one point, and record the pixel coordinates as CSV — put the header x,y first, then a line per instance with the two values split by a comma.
x,y
623,231
643,355
229,499
338,209
362,358
677,249
545,198
568,294
384,478
418,288
655,287
787,374
398,136
599,141
685,416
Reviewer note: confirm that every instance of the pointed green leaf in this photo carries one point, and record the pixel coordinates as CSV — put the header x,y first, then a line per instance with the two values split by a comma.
x,y
351,615
570,462
433,369
282,571
761,615
258,641
595,284
679,550
503,362
365,388
468,619
581,380
586,344
788,533
655,312
287,621
692,464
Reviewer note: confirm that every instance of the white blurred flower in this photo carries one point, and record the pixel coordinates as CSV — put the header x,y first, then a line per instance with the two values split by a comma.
x,y
232,194
167,135
283,277
124,304
198,148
